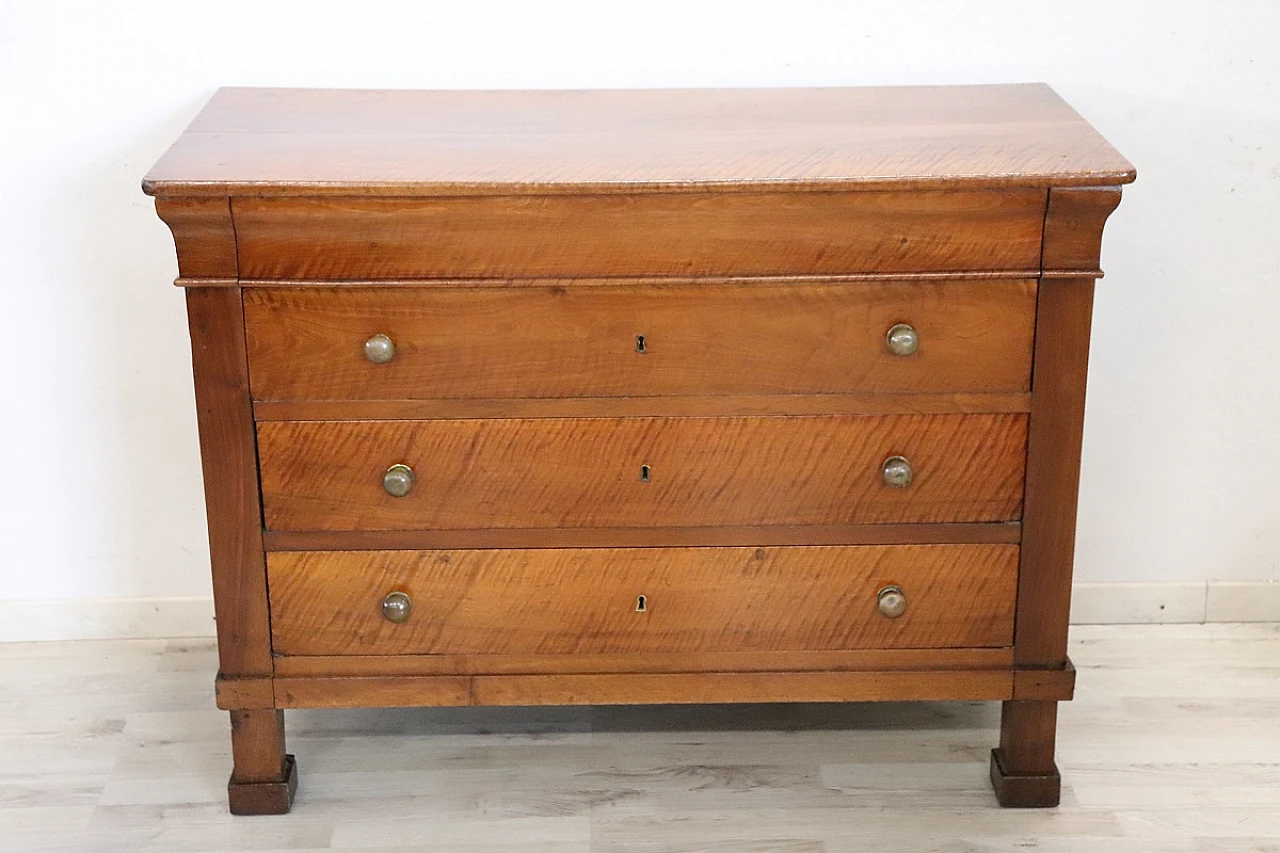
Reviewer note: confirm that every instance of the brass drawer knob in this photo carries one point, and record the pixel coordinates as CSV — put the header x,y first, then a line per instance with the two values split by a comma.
x,y
891,602
897,472
380,349
902,339
396,607
398,480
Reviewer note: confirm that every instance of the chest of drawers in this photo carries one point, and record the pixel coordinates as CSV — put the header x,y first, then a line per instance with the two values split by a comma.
x,y
639,397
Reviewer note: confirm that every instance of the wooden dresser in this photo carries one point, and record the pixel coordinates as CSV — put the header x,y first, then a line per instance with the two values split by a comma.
x,y
514,398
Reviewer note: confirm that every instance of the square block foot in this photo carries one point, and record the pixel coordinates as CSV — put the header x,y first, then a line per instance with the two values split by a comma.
x,y
1024,790
250,798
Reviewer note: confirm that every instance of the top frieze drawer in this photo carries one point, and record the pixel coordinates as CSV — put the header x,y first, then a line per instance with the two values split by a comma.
x,y
642,234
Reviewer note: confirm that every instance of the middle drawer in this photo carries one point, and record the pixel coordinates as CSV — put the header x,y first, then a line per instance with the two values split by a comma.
x,y
641,472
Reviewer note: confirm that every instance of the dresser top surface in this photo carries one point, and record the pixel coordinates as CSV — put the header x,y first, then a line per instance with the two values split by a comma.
x,y
431,143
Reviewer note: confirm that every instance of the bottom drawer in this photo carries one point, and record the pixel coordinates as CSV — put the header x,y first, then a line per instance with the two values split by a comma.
x,y
647,600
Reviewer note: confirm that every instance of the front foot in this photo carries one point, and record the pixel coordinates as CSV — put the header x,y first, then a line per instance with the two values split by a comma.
x,y
1023,772
255,798
1024,790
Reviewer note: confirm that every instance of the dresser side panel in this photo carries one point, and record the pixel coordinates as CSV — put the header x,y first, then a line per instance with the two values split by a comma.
x,y
229,455
1074,220
1056,426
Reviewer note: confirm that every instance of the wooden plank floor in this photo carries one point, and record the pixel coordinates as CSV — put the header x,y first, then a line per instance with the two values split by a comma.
x,y
1173,744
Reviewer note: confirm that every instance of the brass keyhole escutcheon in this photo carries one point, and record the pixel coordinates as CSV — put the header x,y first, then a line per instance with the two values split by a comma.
x,y
642,604
644,473
641,344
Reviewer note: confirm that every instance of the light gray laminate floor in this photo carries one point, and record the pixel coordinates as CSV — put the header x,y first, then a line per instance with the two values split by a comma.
x,y
1173,744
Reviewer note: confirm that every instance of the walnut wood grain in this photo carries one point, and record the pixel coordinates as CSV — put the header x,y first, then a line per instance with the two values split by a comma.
x,y
687,688
587,472
203,235
629,235
312,142
247,693
1057,684
258,744
699,339
843,660
1064,314
1073,228
617,407
374,692
1008,532
641,280
259,693
584,601
264,778
230,463
1023,772
265,798
643,688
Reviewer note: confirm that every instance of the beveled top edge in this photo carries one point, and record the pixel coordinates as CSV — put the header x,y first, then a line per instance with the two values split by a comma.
x,y
450,143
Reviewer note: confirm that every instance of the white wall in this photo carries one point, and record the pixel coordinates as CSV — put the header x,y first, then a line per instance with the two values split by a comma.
x,y
99,475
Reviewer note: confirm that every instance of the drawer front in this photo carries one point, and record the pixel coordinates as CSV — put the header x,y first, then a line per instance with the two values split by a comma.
x,y
640,340
640,472
677,234
569,601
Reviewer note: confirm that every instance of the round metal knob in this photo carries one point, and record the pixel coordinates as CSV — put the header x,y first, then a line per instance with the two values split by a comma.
x,y
891,601
396,607
398,480
902,339
897,472
380,349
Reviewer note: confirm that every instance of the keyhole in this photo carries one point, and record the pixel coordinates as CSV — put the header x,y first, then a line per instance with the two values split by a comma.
x,y
640,343
642,604
644,473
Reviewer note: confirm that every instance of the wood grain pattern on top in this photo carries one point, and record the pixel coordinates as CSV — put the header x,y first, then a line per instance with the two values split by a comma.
x,y
587,472
307,344
584,601
353,142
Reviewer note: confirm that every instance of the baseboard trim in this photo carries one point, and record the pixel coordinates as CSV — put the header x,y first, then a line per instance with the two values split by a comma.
x,y
23,621
1137,603
1172,603
1091,604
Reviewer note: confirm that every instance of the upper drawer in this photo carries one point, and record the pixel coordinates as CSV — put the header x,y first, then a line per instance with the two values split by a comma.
x,y
638,340
637,235
640,472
